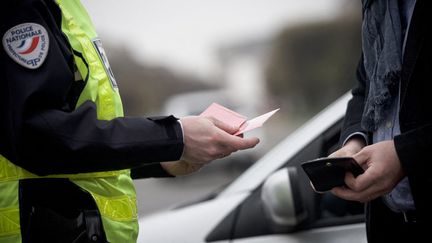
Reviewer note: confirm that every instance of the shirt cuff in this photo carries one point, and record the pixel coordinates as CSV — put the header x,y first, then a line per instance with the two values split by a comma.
x,y
182,131
361,134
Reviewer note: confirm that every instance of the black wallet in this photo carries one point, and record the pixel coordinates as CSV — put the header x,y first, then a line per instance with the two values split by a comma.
x,y
326,173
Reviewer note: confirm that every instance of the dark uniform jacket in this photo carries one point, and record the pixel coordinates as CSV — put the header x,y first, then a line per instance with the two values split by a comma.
x,y
42,132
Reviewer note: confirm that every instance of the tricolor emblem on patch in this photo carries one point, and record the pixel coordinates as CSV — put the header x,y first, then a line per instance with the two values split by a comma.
x,y
27,44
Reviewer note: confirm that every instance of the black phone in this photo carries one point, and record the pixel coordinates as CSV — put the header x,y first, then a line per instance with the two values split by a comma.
x,y
326,173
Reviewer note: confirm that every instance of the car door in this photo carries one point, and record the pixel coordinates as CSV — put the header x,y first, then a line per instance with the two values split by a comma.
x,y
323,217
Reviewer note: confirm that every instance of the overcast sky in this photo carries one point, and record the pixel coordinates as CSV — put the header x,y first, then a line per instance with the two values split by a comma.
x,y
185,34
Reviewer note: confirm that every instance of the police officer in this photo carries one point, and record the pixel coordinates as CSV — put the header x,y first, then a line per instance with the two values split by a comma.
x,y
67,153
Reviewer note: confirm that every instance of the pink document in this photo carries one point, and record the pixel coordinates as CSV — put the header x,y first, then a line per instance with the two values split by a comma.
x,y
235,119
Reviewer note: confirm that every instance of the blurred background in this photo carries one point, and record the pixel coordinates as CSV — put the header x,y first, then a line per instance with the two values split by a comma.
x,y
177,57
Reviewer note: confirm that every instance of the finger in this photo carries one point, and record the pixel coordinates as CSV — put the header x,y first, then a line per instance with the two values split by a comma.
x,y
362,188
337,153
343,192
347,194
361,157
359,183
223,126
246,143
238,143
343,152
363,196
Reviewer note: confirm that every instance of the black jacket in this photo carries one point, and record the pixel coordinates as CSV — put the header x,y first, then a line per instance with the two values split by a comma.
x,y
414,144
40,129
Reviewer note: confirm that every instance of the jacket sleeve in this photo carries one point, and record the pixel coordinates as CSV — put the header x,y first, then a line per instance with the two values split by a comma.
x,y
354,111
41,132
152,170
414,144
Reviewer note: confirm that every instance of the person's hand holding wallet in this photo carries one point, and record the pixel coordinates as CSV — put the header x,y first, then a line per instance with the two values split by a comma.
x,y
329,172
329,178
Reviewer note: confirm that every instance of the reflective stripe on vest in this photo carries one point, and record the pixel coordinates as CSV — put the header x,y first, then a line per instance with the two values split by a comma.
x,y
121,208
9,212
10,224
113,191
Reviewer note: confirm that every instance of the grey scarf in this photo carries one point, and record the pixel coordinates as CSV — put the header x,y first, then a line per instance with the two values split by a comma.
x,y
382,56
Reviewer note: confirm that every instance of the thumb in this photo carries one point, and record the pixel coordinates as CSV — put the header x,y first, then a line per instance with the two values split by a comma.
x,y
337,153
248,143
223,126
361,158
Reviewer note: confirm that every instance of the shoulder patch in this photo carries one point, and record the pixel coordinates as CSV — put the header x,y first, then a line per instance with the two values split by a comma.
x,y
27,44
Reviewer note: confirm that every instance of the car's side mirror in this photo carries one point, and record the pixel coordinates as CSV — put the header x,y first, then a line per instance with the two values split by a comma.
x,y
282,200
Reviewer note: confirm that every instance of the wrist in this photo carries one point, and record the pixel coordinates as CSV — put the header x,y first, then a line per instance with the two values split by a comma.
x,y
168,167
354,144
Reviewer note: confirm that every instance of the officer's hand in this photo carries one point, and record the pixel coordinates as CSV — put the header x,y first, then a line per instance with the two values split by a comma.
x,y
179,168
207,139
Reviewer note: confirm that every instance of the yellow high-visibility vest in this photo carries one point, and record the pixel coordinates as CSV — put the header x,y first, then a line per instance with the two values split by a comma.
x,y
113,191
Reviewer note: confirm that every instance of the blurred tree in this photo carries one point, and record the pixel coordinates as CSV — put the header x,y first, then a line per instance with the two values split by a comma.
x,y
144,88
312,64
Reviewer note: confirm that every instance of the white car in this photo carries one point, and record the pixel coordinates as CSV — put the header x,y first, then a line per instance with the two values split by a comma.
x,y
270,202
